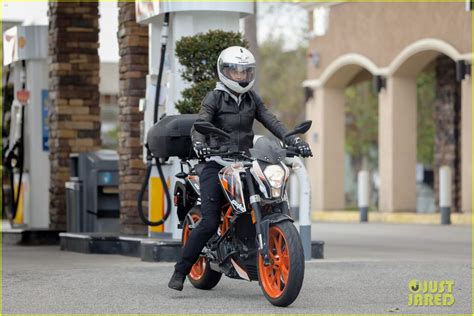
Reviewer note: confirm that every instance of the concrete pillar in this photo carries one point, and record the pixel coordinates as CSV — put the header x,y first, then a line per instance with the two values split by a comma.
x,y
327,141
74,93
312,139
397,145
133,45
466,143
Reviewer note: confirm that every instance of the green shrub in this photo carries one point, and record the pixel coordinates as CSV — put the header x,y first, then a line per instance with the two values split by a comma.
x,y
198,54
193,96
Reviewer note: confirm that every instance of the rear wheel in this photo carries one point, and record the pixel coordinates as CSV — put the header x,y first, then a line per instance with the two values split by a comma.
x,y
282,279
201,275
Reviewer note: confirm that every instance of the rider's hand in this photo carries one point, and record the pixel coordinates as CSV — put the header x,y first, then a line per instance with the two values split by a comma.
x,y
201,149
302,147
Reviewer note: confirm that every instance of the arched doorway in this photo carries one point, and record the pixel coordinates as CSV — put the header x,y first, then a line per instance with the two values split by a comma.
x,y
361,137
327,110
398,124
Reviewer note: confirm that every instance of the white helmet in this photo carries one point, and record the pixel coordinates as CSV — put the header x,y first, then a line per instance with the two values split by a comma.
x,y
236,69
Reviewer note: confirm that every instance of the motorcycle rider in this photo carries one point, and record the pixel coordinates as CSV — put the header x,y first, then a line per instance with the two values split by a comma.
x,y
232,107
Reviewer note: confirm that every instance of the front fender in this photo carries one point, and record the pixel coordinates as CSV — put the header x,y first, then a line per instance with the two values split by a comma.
x,y
267,221
277,218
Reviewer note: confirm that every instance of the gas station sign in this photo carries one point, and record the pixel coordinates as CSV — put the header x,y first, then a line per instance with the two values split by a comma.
x,y
23,96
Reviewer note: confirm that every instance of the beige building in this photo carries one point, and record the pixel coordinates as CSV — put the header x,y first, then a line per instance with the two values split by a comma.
x,y
390,43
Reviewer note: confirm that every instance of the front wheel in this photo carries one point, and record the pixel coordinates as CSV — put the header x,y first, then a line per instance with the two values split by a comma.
x,y
201,275
282,279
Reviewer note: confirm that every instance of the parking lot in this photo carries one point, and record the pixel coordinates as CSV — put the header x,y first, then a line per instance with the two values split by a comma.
x,y
366,270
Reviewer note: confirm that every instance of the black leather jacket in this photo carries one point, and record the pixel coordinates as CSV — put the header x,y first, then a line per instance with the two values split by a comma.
x,y
219,108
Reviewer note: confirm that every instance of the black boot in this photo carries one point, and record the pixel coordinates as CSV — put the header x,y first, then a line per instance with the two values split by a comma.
x,y
176,281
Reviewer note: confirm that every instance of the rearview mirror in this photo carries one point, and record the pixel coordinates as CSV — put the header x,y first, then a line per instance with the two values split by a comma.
x,y
207,128
300,129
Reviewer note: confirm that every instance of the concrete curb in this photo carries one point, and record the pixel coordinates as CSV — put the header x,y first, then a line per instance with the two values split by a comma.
x,y
30,237
159,250
391,218
91,243
148,249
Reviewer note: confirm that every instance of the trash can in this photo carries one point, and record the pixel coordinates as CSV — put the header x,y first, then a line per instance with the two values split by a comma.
x,y
74,206
95,176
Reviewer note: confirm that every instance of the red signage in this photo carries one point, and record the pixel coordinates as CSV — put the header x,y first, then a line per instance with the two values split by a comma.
x,y
23,96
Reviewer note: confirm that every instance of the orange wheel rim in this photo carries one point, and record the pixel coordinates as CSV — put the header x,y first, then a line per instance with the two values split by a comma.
x,y
274,277
197,270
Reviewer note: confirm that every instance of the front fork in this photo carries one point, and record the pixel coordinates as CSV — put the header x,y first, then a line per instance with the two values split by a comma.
x,y
261,228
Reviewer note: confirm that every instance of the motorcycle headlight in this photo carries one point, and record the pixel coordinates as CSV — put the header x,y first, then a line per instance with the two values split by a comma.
x,y
275,175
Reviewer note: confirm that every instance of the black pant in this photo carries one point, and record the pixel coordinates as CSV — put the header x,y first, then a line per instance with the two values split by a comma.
x,y
211,201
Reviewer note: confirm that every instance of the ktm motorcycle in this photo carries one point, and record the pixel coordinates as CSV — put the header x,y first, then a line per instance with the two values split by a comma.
x,y
256,239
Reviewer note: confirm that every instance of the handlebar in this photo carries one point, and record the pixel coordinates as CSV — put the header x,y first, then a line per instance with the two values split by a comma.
x,y
215,152
225,153
292,152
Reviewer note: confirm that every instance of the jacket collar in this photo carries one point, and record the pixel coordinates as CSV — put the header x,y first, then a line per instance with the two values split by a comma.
x,y
221,87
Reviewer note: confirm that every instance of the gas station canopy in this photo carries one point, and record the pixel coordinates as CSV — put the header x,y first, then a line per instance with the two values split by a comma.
x,y
147,10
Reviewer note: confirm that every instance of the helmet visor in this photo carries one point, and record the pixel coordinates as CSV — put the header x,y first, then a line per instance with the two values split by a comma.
x,y
242,74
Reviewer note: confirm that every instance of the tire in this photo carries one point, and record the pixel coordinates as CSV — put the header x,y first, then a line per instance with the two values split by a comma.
x,y
281,281
201,275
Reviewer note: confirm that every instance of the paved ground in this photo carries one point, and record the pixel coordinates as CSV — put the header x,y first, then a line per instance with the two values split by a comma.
x,y
366,270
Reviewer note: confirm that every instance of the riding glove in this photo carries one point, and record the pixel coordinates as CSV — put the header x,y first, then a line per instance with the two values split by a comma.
x,y
302,147
201,149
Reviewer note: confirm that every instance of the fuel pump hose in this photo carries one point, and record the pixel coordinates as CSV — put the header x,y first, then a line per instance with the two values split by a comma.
x,y
164,40
11,160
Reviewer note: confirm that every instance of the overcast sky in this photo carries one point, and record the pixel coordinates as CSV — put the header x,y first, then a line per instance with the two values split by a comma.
x,y
37,13
275,19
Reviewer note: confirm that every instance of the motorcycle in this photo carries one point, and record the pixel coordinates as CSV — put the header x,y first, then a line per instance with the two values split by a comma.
x,y
256,239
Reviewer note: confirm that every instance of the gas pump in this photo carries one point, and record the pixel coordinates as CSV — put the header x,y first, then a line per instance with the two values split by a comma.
x,y
26,151
183,19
